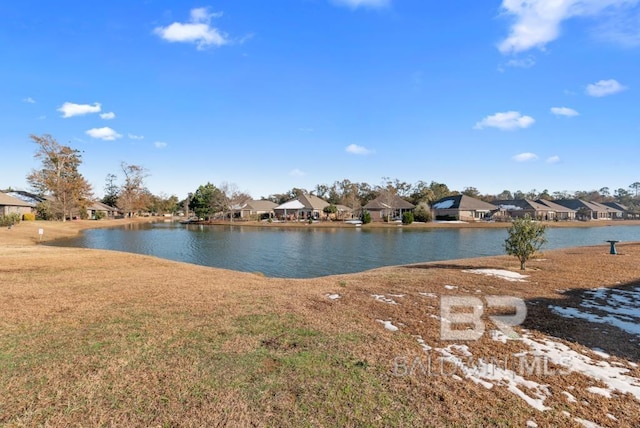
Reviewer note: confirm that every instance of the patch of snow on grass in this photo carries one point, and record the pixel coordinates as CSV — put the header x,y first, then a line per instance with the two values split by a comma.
x,y
382,298
490,374
611,306
499,273
332,296
570,398
599,391
451,287
388,325
587,424
532,424
423,344
433,295
559,354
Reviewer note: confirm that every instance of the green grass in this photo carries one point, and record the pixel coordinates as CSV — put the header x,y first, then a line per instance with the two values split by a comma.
x,y
143,368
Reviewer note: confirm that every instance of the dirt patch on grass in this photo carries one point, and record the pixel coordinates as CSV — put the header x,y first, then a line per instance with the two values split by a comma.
x,y
100,337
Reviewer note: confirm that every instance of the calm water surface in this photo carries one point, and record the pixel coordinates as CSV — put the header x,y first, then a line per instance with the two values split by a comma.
x,y
304,253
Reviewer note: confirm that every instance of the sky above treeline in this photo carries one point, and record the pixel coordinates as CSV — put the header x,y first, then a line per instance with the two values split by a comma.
x,y
512,94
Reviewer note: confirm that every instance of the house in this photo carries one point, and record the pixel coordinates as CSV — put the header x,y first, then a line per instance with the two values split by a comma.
x,y
305,206
384,207
255,209
625,211
524,207
10,205
97,207
462,207
559,212
589,210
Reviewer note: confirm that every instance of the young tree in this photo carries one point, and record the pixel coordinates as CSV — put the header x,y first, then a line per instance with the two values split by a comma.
x,y
232,198
203,201
59,176
525,239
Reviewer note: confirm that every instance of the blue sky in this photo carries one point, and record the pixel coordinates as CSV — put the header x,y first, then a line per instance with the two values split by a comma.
x,y
518,94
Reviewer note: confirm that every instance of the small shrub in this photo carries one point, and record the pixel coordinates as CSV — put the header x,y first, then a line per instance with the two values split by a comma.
x,y
422,214
28,217
10,219
99,215
407,218
366,217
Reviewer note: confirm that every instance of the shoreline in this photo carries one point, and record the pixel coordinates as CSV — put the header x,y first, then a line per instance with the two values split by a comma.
x,y
26,232
139,340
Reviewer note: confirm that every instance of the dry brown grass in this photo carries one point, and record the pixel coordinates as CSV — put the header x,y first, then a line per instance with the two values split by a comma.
x,y
91,337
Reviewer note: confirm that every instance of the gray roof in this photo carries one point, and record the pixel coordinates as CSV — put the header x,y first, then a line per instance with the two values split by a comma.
x,y
616,205
555,207
10,201
99,206
520,204
313,202
464,203
395,202
260,205
577,204
304,201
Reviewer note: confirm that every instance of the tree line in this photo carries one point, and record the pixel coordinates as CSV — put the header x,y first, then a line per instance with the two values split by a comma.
x,y
71,193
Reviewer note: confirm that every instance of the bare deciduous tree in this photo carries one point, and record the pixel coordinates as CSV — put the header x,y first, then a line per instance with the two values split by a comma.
x,y
133,196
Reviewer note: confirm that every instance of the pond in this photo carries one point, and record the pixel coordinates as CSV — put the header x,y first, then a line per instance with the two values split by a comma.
x,y
312,252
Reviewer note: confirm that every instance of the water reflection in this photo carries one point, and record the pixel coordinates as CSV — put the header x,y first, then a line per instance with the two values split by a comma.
x,y
300,253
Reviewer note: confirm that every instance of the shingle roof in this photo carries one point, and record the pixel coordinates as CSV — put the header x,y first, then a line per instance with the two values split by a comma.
x,y
260,205
380,203
313,202
616,205
463,202
520,204
555,207
6,200
577,204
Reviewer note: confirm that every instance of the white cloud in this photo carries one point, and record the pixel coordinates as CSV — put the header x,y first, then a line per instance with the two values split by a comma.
x,y
135,137
564,111
29,100
354,4
160,144
603,88
621,27
506,121
106,134
537,22
108,116
357,150
527,62
297,173
553,159
71,109
525,157
197,30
